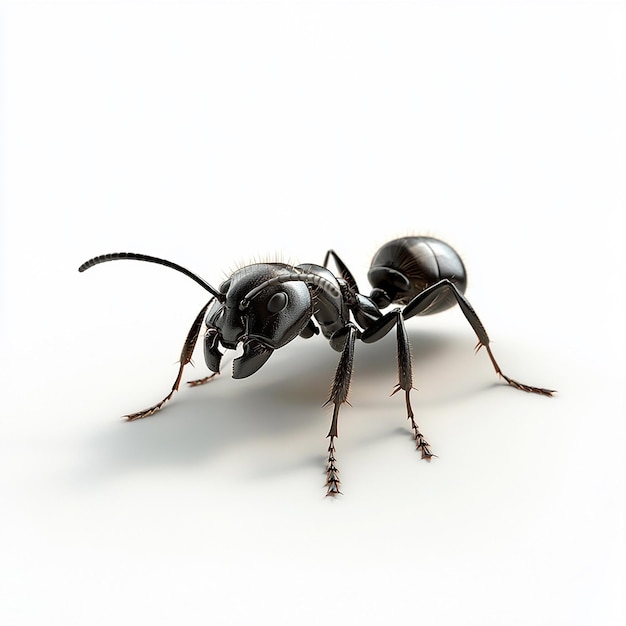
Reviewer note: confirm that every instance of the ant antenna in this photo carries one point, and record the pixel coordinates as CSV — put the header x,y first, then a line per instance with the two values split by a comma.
x,y
117,256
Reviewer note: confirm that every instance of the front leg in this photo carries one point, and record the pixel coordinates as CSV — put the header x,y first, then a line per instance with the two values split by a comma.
x,y
185,358
339,396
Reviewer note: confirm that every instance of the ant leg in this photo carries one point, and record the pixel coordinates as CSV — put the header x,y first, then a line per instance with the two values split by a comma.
x,y
405,371
422,300
185,358
345,273
202,381
339,395
405,382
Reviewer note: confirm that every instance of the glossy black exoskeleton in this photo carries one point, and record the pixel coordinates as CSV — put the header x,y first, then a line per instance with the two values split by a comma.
x,y
264,306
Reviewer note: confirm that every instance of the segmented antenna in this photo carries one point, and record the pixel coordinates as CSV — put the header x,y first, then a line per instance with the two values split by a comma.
x,y
133,256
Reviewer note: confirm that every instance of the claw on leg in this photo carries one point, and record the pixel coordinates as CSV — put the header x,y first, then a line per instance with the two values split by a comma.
x,y
420,442
339,396
149,411
332,473
202,381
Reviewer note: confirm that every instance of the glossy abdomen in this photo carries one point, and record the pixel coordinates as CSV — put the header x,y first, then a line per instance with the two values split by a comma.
x,y
404,267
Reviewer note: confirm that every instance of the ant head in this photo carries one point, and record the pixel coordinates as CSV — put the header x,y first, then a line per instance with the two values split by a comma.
x,y
258,310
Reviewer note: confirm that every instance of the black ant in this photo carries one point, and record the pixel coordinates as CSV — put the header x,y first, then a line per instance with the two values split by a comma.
x,y
264,306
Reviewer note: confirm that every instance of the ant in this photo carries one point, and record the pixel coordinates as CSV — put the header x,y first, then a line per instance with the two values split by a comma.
x,y
264,306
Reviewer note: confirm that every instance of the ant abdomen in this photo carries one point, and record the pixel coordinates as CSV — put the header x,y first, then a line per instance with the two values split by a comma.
x,y
403,268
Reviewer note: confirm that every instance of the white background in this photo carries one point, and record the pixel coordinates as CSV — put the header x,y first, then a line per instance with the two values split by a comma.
x,y
213,134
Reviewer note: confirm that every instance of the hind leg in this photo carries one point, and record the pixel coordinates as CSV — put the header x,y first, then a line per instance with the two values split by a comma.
x,y
421,301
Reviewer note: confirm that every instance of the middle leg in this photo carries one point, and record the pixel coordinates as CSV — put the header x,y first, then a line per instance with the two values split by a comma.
x,y
405,370
405,383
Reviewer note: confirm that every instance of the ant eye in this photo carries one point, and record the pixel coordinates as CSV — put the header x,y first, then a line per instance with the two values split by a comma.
x,y
277,302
